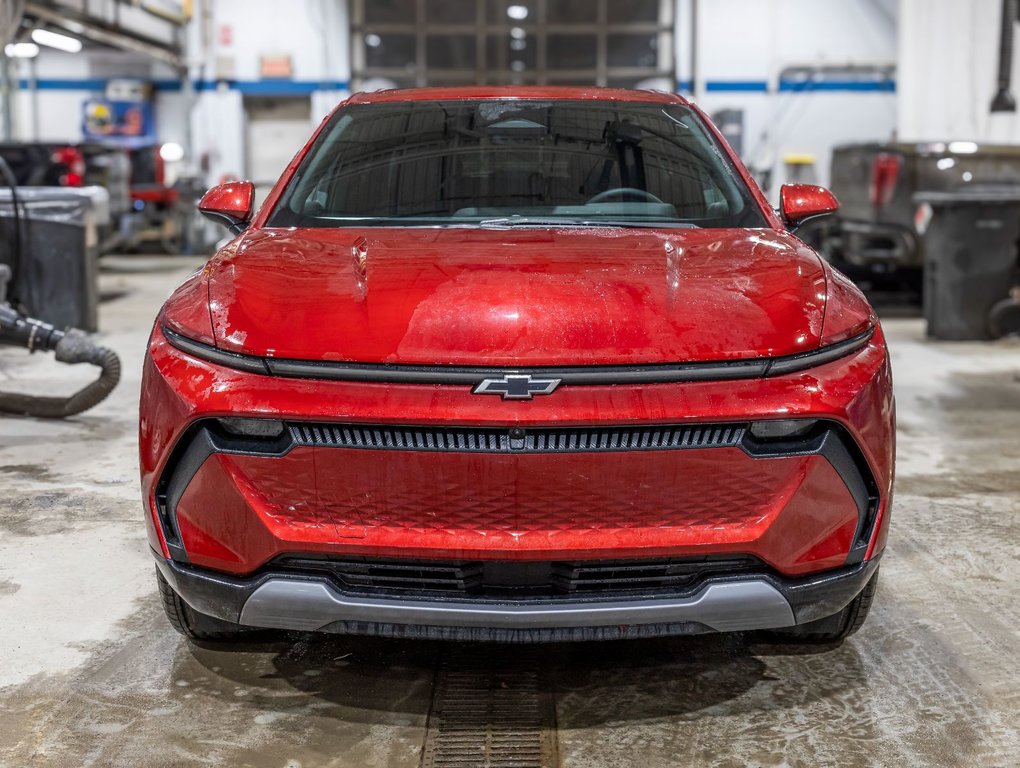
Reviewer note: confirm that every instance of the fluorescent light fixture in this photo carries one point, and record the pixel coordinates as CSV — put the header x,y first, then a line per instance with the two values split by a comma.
x,y
56,40
171,152
518,12
963,147
21,50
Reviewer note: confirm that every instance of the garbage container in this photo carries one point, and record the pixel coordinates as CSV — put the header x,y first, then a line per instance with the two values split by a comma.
x,y
55,270
970,246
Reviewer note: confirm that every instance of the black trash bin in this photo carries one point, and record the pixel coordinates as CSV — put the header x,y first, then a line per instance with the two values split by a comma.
x,y
970,246
55,275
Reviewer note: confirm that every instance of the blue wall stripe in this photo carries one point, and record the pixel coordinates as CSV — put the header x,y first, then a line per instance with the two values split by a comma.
x,y
306,87
860,86
252,87
793,86
66,85
743,86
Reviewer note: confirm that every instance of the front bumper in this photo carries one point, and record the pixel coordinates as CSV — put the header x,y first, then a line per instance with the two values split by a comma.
x,y
753,601
222,506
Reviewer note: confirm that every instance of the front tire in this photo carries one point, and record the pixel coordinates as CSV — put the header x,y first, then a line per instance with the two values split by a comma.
x,y
192,624
836,628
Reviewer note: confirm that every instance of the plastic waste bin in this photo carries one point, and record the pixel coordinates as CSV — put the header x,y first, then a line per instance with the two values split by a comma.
x,y
55,269
971,251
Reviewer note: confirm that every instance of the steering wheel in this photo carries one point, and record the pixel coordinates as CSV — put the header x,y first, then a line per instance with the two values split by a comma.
x,y
624,192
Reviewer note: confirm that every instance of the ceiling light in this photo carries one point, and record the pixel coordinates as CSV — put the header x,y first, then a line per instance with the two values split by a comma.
x,y
171,152
56,40
373,40
963,147
21,50
518,33
517,12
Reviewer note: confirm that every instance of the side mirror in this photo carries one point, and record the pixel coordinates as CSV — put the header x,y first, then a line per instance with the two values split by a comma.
x,y
800,202
230,204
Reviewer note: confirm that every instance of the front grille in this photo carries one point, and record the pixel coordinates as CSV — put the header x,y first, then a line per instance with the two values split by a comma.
x,y
517,439
610,576
497,578
392,575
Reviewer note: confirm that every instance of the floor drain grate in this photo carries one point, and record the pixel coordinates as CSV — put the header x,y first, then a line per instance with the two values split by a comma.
x,y
491,708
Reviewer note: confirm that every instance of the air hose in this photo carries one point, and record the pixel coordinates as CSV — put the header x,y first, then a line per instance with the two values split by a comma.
x,y
1004,316
71,346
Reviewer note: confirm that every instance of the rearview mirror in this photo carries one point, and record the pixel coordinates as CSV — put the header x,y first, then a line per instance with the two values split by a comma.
x,y
800,202
230,205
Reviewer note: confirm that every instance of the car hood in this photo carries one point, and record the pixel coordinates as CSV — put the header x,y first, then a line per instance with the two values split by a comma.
x,y
517,296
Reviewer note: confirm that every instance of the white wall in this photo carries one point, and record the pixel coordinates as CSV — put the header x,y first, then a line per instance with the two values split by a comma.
x,y
314,33
57,112
742,44
948,71
231,39
748,43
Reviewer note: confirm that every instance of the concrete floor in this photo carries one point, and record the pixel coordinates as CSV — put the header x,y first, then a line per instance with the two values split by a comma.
x,y
92,674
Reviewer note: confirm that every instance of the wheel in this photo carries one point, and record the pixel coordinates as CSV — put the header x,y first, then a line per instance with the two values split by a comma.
x,y
192,624
836,628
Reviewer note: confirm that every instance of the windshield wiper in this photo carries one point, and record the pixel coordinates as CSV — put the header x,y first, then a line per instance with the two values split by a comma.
x,y
532,221
643,224
555,221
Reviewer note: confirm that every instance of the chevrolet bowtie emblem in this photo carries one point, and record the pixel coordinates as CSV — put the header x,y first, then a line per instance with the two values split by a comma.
x,y
516,387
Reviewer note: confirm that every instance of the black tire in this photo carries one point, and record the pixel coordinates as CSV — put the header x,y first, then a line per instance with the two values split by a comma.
x,y
836,628
194,625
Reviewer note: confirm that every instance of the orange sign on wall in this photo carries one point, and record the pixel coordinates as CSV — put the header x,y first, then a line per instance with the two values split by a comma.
x,y
276,66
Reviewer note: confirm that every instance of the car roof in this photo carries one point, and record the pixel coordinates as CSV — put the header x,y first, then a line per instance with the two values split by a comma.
x,y
566,93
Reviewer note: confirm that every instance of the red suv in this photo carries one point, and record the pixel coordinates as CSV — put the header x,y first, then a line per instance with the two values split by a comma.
x,y
517,364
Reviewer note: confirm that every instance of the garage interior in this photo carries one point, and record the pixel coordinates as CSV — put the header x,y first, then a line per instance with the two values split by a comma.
x,y
115,116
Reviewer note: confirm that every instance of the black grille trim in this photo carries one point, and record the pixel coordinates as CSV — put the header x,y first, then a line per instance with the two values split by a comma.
x,y
609,576
503,579
371,575
517,440
594,375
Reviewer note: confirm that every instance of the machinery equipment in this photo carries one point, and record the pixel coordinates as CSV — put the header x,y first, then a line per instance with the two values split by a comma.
x,y
70,346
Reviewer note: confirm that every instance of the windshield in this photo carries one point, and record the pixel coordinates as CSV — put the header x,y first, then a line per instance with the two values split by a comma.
x,y
516,162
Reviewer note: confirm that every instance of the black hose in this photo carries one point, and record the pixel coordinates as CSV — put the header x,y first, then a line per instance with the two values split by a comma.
x,y
73,347
1004,318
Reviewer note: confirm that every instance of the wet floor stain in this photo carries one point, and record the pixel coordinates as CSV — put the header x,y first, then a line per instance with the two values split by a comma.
x,y
49,512
28,471
931,680
898,694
